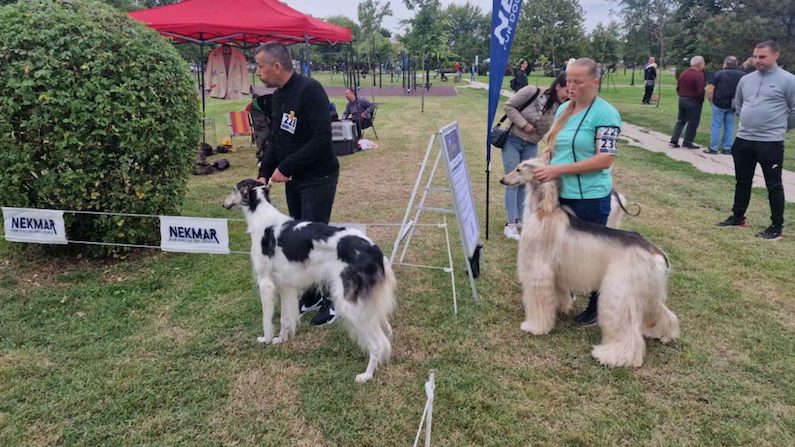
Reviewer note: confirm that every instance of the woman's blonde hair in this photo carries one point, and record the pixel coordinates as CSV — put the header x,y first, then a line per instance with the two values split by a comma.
x,y
552,135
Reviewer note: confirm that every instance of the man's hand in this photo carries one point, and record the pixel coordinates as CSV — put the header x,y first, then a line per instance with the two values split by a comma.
x,y
278,177
364,114
262,180
528,128
547,173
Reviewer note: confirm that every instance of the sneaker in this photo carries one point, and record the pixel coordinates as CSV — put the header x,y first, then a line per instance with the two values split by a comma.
x,y
673,145
691,146
771,233
304,307
326,314
588,318
710,151
727,152
732,221
511,232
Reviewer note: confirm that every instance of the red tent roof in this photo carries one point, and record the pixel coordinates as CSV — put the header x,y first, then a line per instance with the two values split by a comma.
x,y
247,22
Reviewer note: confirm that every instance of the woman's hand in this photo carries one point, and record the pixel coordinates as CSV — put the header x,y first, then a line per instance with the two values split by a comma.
x,y
548,172
528,128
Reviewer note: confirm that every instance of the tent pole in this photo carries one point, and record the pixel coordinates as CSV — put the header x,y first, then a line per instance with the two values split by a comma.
x,y
201,64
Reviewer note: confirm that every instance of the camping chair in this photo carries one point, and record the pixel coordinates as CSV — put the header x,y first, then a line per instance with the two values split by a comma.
x,y
372,121
240,125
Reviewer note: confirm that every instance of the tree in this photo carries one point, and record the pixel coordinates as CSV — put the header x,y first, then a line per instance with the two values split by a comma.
x,y
468,30
606,44
552,28
371,15
426,37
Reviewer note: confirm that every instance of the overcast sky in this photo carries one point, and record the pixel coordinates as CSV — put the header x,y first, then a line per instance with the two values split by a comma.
x,y
595,10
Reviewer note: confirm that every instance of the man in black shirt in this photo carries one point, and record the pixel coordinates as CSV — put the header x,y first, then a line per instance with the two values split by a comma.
x,y
720,93
649,77
299,150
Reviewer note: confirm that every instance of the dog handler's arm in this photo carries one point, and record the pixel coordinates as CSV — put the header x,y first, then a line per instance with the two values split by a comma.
x,y
596,163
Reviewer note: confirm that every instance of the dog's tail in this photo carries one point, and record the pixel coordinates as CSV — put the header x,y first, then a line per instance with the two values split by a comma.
x,y
367,318
381,305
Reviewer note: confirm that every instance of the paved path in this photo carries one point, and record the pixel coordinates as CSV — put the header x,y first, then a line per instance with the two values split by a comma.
x,y
658,142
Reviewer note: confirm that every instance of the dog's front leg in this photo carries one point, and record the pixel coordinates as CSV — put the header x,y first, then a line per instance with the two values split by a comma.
x,y
539,299
290,315
266,295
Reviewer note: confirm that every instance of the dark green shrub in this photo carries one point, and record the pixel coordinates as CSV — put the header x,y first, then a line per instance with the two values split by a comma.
x,y
97,112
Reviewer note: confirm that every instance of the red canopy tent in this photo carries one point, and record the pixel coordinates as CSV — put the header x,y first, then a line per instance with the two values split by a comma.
x,y
243,22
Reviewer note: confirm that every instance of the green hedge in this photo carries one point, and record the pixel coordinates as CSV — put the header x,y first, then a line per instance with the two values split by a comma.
x,y
97,112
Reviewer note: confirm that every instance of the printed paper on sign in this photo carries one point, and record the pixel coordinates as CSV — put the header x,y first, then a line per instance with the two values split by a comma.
x,y
34,226
194,235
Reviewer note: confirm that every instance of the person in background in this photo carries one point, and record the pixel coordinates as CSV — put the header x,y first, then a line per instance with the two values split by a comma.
x,y
299,152
690,86
649,78
528,127
720,93
358,110
748,65
519,80
766,105
584,143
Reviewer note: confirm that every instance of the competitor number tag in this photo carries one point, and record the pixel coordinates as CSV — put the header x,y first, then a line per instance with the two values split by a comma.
x,y
607,140
289,122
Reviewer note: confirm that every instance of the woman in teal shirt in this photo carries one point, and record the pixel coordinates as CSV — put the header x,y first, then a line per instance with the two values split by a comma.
x,y
584,141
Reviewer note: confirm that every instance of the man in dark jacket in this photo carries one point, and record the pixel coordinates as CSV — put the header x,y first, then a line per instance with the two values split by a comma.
x,y
690,87
358,109
649,77
299,150
720,93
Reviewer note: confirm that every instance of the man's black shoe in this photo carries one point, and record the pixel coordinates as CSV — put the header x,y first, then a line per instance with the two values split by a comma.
x,y
588,318
732,221
691,146
771,233
326,314
674,145
304,306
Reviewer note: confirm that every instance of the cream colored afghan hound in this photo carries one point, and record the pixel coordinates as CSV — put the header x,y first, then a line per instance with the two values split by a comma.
x,y
559,253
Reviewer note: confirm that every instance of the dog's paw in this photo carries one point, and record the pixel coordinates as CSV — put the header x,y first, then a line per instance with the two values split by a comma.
x,y
264,340
528,326
363,377
279,340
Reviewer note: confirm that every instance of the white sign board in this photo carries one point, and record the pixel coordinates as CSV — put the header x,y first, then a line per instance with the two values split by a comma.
x,y
32,225
194,235
461,186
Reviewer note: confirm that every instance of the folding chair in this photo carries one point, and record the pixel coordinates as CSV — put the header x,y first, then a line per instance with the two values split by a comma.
x,y
240,125
372,121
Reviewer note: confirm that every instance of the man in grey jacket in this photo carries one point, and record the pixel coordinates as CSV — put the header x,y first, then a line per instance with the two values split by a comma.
x,y
766,104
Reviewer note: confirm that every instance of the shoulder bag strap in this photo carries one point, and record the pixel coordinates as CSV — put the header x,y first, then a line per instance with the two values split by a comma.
x,y
524,106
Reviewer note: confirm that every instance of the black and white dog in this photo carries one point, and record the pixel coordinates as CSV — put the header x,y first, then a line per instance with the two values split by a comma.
x,y
289,256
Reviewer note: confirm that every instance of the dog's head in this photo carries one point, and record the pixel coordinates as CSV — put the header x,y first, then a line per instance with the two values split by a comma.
x,y
543,195
523,174
247,193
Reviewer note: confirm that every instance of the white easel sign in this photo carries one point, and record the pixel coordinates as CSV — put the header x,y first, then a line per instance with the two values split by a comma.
x,y
460,186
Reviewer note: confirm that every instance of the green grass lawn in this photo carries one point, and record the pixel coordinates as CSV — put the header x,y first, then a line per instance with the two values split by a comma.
x,y
159,349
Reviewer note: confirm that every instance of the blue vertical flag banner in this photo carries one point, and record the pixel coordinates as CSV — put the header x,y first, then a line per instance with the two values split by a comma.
x,y
504,18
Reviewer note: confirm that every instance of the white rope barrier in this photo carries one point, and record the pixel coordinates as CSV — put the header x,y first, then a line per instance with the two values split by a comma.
x,y
152,216
427,413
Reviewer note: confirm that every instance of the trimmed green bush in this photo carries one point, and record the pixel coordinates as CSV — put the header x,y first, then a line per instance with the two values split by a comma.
x,y
97,113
